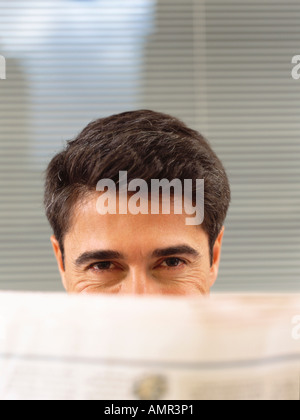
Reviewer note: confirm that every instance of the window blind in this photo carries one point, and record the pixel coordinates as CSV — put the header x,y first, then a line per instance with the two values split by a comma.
x,y
253,122
221,66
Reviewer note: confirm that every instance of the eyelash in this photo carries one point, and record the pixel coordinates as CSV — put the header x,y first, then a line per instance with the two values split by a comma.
x,y
181,261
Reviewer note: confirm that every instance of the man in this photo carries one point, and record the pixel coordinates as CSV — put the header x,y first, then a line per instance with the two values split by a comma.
x,y
125,252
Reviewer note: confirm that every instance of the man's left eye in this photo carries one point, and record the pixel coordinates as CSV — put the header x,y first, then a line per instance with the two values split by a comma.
x,y
173,262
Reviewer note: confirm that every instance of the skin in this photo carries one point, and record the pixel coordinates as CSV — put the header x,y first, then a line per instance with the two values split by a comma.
x,y
152,254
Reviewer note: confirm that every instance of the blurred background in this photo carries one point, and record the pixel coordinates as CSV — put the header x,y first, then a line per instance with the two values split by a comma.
x,y
223,67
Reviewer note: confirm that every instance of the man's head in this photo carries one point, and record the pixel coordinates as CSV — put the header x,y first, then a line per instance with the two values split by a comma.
x,y
135,253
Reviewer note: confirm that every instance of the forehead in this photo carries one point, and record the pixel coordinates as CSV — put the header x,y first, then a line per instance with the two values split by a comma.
x,y
128,232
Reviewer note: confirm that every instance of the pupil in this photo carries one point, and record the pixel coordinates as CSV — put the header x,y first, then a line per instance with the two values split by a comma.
x,y
173,262
104,265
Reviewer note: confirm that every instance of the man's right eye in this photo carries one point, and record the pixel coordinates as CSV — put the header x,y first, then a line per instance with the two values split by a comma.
x,y
102,266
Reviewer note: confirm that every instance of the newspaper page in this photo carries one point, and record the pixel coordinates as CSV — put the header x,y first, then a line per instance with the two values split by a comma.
x,y
226,347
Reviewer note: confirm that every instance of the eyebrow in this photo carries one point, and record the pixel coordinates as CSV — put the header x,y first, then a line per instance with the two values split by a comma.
x,y
175,250
98,255
114,255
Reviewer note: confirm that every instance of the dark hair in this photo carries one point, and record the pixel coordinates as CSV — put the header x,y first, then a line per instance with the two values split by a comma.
x,y
146,144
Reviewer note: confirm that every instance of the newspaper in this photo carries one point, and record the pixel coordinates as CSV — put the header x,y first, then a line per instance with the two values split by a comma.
x,y
60,347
